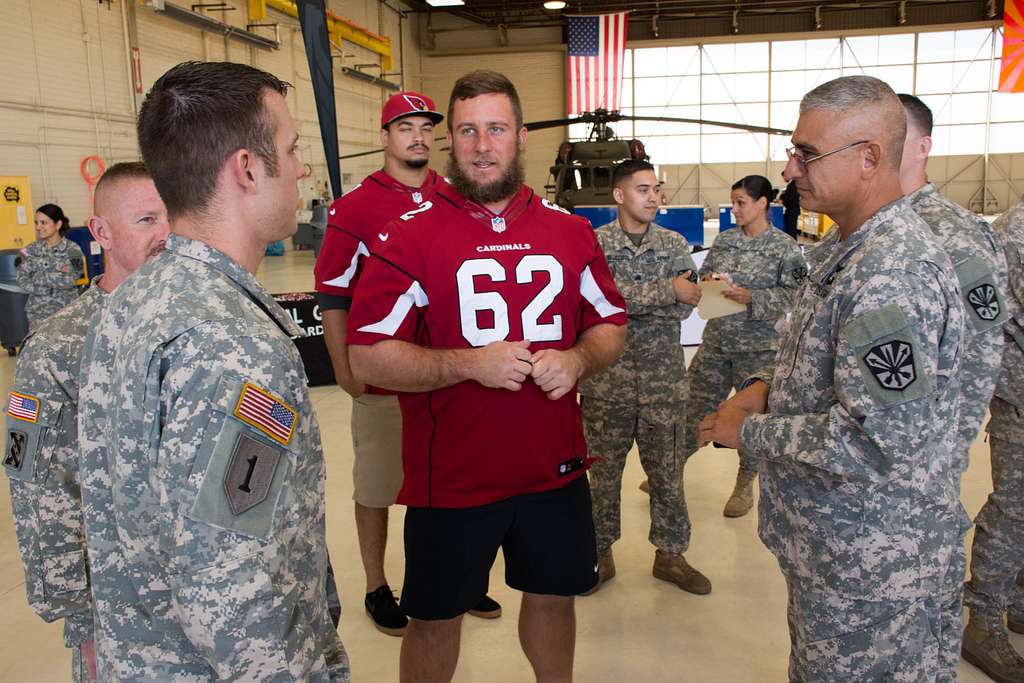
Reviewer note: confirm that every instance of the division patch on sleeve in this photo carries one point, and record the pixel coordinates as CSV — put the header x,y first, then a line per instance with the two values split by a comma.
x,y
250,473
892,364
267,413
23,407
17,447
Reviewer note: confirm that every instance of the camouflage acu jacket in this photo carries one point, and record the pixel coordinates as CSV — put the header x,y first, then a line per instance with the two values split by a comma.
x,y
771,267
41,460
1010,230
203,481
861,428
651,368
980,268
49,275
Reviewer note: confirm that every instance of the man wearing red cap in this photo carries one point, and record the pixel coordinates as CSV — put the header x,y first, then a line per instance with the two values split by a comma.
x,y
354,223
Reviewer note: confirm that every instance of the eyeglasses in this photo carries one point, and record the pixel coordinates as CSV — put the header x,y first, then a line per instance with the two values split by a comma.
x,y
798,154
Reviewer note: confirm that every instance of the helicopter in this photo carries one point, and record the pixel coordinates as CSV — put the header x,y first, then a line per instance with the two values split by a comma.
x,y
582,172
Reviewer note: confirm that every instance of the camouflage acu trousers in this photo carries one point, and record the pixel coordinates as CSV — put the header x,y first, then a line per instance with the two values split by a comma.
x,y
611,429
998,554
951,620
79,669
713,375
837,639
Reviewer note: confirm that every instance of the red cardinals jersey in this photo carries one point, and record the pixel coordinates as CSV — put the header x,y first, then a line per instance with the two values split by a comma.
x,y
353,223
451,274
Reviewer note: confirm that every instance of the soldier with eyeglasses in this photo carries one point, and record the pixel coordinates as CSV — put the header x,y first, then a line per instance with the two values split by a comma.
x,y
855,426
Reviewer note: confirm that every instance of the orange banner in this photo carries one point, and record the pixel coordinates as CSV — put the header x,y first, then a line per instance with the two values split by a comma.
x,y
1011,74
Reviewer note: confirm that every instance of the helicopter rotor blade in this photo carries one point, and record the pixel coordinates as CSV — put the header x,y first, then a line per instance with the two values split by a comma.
x,y
721,124
554,123
378,150
361,154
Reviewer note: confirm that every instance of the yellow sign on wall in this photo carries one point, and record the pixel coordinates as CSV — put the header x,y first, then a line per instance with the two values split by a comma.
x,y
17,216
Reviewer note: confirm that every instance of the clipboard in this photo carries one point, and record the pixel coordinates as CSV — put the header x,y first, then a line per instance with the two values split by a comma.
x,y
713,304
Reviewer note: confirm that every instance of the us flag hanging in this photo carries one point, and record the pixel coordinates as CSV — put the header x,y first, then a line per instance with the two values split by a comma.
x,y
597,48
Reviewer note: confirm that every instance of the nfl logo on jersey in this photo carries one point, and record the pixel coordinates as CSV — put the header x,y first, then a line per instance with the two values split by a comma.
x,y
498,224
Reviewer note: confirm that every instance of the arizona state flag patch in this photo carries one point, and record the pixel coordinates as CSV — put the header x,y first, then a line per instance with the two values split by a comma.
x,y
23,407
267,413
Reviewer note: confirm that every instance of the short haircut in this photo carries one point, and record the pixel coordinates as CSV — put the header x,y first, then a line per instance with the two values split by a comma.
x,y
849,93
125,170
918,112
196,116
627,168
484,82
756,186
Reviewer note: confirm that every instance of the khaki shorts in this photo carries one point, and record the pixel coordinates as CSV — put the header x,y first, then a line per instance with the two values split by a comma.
x,y
377,444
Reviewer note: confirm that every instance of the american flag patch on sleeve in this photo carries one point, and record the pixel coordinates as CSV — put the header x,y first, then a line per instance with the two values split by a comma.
x,y
267,413
23,407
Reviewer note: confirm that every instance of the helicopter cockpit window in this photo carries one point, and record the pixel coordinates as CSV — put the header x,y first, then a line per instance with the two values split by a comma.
x,y
576,179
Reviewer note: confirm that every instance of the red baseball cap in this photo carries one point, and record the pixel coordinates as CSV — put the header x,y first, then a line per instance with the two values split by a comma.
x,y
409,103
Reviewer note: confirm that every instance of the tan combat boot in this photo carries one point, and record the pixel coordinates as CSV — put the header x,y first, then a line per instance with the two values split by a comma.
x,y
987,646
742,498
605,570
1015,621
675,569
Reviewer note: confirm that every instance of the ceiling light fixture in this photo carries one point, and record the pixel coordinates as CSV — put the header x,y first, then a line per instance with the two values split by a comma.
x,y
554,4
445,3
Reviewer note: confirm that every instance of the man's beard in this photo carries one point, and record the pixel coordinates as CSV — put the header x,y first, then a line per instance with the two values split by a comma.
x,y
504,187
417,163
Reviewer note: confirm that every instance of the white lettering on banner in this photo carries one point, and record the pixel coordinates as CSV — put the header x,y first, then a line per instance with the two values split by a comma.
x,y
316,312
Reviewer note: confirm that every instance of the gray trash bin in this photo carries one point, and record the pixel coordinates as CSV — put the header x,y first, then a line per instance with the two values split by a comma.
x,y
13,322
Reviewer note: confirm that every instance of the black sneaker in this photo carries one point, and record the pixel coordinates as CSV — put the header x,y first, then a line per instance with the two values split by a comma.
x,y
382,607
486,609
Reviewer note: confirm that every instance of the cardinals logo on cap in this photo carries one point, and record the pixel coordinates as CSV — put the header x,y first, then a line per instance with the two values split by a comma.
x,y
416,102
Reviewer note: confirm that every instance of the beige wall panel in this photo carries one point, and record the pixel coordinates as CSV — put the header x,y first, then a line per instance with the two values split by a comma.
x,y
18,78
66,95
539,78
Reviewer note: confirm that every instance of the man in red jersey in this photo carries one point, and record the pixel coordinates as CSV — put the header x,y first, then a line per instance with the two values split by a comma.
x,y
490,304
354,223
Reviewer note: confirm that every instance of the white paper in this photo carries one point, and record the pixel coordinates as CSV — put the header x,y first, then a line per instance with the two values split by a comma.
x,y
95,249
22,215
713,304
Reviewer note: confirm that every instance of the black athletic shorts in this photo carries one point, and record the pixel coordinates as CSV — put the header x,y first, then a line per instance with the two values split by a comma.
x,y
547,539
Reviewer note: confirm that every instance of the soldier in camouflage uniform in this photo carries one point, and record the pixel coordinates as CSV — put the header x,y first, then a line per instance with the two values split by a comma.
x,y
997,557
640,398
765,267
980,267
41,456
50,267
202,467
860,423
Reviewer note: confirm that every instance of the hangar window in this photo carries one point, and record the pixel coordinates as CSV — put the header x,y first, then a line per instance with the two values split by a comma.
x,y
761,83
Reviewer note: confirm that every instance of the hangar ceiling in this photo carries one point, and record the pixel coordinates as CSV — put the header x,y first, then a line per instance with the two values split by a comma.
x,y
668,19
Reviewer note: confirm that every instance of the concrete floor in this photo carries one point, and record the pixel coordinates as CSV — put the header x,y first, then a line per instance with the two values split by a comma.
x,y
635,629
